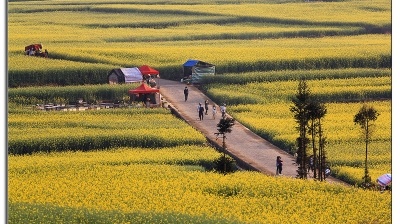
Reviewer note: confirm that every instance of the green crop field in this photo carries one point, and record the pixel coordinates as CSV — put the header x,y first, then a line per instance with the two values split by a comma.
x,y
108,166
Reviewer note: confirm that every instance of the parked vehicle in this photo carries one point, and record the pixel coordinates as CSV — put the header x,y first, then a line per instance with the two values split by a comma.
x,y
36,50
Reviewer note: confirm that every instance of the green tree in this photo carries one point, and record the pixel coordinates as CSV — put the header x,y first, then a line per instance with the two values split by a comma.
x,y
299,109
365,118
322,161
225,126
315,112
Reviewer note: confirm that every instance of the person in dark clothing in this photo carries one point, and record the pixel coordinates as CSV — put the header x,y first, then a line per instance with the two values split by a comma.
x,y
186,93
200,109
279,164
311,164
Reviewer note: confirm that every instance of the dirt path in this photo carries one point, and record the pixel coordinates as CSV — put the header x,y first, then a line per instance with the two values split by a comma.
x,y
250,150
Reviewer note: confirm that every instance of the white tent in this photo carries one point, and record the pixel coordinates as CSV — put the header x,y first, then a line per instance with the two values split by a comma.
x,y
125,75
132,74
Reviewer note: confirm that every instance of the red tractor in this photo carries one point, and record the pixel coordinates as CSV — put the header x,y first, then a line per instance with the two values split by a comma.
x,y
36,50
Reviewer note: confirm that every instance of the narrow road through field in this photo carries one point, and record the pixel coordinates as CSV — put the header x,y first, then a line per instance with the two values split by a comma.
x,y
250,150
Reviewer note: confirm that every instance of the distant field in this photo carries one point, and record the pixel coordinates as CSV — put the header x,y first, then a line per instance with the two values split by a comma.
x,y
93,61
235,37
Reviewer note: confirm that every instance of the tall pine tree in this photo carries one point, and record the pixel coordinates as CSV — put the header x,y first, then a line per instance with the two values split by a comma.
x,y
299,109
316,111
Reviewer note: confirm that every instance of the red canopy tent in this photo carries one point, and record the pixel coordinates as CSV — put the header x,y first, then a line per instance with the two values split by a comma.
x,y
35,47
146,94
143,88
147,70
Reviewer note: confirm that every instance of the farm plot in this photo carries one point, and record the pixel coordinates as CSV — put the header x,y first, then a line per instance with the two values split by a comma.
x,y
236,37
89,130
63,95
140,170
364,51
168,185
264,108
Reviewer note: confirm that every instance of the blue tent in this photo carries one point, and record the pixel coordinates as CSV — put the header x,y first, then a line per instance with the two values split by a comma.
x,y
190,63
194,69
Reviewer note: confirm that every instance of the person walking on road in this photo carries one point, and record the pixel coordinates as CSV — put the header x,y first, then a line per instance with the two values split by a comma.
x,y
200,109
186,93
223,110
214,111
279,164
206,106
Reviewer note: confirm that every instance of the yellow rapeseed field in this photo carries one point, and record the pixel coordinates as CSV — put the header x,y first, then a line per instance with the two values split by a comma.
x,y
58,131
137,166
138,180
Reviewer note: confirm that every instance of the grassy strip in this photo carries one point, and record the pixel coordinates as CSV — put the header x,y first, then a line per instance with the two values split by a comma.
x,y
64,95
286,75
48,213
80,76
88,130
326,90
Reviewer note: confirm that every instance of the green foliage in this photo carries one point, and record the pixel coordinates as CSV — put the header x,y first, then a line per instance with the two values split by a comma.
x,y
365,117
102,129
225,164
66,94
287,75
80,75
225,125
351,89
47,213
299,109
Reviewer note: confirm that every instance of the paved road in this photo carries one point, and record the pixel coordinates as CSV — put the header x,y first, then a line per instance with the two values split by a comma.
x,y
250,149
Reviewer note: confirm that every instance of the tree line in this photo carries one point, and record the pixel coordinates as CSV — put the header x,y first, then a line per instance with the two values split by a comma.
x,y
309,113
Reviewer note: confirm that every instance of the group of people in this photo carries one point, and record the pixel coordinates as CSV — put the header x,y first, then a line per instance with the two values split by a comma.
x,y
203,110
151,82
279,164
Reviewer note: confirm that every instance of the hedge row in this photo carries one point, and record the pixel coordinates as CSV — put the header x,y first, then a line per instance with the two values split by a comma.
x,y
63,77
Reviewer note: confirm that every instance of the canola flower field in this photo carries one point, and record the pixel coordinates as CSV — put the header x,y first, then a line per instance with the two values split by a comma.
x,y
110,167
101,129
84,43
264,108
168,185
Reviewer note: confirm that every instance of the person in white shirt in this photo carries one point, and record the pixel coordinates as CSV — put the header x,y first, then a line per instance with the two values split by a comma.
x,y
223,110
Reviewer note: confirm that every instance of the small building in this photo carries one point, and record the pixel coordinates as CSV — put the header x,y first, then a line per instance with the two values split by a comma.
x,y
194,69
131,75
124,75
